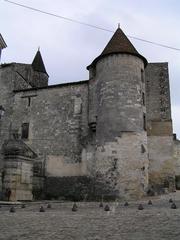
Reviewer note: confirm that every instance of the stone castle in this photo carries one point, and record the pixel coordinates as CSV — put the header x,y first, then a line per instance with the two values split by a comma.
x,y
108,136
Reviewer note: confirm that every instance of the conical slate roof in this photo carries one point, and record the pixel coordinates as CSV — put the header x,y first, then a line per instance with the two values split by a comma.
x,y
38,64
119,43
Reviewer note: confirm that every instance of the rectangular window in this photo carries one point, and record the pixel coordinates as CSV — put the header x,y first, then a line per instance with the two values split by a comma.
x,y
29,101
144,121
143,98
142,75
25,131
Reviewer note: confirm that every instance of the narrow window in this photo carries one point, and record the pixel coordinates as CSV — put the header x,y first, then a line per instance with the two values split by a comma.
x,y
25,131
144,121
29,101
115,163
143,98
142,75
143,150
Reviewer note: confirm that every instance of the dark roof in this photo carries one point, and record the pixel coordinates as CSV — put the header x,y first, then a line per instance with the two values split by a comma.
x,y
6,65
2,42
38,64
119,43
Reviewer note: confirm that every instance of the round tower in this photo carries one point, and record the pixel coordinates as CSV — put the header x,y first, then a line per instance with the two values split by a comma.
x,y
121,140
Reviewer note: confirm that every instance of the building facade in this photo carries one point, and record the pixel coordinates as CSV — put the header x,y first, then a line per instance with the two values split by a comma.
x,y
109,136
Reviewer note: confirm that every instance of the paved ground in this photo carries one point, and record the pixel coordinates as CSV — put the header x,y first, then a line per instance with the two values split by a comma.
x,y
90,222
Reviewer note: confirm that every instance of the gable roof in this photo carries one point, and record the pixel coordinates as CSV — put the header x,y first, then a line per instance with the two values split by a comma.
x,y
119,43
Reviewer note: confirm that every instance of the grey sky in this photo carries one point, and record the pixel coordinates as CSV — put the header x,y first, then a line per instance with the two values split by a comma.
x,y
67,48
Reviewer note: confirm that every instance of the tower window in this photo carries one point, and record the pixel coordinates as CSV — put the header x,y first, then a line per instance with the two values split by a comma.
x,y
25,131
144,121
143,98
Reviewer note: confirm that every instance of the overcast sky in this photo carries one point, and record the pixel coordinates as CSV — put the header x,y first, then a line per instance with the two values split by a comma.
x,y
67,48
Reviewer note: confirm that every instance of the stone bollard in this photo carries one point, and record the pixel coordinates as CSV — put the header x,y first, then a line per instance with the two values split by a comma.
x,y
170,200
173,206
23,206
12,210
41,209
107,208
150,202
126,204
74,208
49,205
140,207
101,204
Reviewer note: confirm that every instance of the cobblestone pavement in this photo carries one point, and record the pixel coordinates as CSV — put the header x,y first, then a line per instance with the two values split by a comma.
x,y
157,221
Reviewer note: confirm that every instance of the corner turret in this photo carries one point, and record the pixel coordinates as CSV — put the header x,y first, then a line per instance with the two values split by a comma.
x,y
117,115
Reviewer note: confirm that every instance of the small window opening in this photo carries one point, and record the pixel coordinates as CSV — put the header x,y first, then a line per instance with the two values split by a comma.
x,y
25,131
143,98
114,167
143,150
144,121
29,101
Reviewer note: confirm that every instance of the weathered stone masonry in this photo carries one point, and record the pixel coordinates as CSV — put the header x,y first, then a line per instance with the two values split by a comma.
x,y
91,138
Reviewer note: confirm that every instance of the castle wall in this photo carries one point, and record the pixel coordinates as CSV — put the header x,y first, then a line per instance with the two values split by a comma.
x,y
12,76
7,101
120,163
90,136
26,74
58,127
39,79
159,127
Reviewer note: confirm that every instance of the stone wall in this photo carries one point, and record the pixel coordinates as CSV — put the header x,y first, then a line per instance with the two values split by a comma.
x,y
161,163
159,127
93,132
176,154
12,76
58,126
157,92
7,101
57,118
26,77
70,187
18,178
121,166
